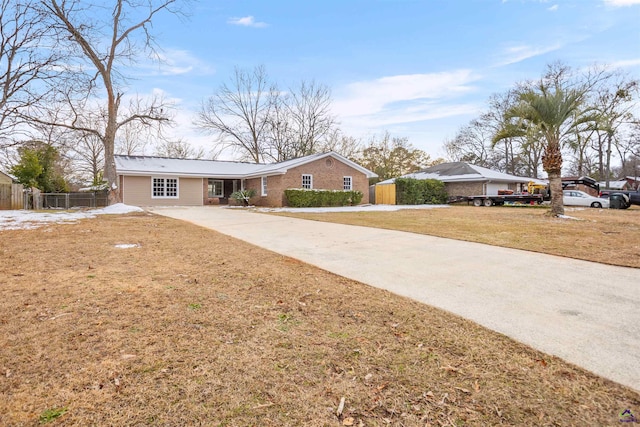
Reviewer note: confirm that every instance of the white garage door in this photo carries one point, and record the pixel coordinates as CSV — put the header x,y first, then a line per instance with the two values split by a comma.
x,y
492,188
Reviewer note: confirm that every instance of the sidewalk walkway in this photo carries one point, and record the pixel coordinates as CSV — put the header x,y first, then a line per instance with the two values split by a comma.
x,y
584,312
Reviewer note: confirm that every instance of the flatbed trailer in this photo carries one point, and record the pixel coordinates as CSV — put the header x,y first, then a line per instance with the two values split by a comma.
x,y
499,200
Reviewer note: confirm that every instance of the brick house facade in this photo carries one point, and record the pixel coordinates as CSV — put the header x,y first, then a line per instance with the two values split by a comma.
x,y
326,174
154,181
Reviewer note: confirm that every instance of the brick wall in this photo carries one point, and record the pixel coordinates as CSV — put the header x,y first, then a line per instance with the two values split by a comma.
x,y
464,188
580,187
328,174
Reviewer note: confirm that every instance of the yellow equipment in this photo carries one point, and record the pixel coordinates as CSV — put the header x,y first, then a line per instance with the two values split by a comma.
x,y
533,188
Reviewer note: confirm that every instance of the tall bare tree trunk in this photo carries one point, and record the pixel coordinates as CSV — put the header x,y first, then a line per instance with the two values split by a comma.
x,y
110,174
608,164
104,47
109,141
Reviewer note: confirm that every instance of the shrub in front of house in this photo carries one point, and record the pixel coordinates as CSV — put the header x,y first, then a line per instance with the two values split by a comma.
x,y
303,198
410,191
243,197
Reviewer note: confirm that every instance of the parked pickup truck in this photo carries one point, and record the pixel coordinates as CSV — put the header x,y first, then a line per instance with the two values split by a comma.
x,y
634,196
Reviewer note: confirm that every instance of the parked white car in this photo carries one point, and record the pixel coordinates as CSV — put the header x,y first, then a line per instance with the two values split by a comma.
x,y
580,198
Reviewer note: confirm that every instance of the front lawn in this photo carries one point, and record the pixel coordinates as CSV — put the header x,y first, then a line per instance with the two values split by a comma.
x,y
143,320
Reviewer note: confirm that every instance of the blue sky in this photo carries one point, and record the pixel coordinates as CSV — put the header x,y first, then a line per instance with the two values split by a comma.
x,y
418,68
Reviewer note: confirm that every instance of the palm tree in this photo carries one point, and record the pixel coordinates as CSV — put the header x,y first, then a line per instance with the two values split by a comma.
x,y
554,112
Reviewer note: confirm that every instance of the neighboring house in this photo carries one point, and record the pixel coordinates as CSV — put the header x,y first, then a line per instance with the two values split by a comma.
x,y
156,181
464,179
633,182
615,185
11,196
582,183
5,178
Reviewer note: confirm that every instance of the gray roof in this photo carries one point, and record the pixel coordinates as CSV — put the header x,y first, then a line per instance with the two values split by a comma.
x,y
145,165
283,167
461,172
613,185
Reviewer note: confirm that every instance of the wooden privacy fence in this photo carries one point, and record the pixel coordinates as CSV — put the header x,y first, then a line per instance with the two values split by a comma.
x,y
386,194
11,196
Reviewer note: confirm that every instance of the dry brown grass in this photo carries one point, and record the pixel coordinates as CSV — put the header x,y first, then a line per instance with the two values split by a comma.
x,y
602,235
196,328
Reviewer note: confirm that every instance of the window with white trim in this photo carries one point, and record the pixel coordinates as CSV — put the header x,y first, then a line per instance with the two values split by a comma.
x,y
216,188
164,188
264,185
346,183
307,181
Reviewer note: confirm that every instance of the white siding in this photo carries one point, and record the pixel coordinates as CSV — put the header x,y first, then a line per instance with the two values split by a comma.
x,y
492,188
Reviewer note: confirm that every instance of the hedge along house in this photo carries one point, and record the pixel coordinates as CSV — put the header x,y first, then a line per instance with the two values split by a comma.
x,y
463,179
157,181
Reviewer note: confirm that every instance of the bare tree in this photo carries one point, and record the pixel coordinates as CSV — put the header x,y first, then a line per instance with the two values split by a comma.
x,y
301,121
279,132
253,118
135,136
531,150
178,149
346,146
579,142
614,102
238,113
25,60
132,139
471,144
88,158
310,119
628,148
102,41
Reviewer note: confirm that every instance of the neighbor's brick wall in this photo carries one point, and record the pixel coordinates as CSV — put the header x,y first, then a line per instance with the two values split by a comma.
x,y
326,176
464,188
582,187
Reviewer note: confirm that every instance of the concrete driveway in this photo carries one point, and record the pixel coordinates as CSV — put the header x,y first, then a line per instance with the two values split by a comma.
x,y
584,312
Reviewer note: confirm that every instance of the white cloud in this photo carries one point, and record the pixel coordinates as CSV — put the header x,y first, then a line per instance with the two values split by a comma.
x,y
626,63
395,116
553,8
373,105
372,96
247,21
177,61
173,62
515,54
621,3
